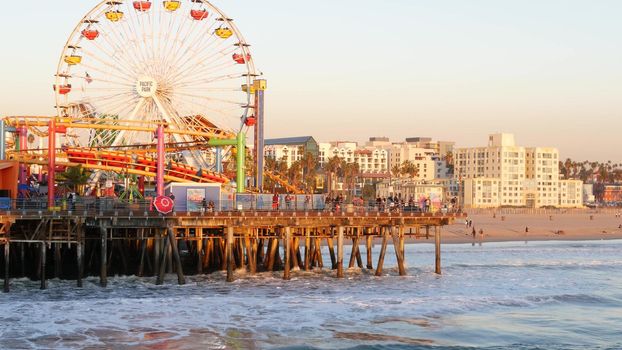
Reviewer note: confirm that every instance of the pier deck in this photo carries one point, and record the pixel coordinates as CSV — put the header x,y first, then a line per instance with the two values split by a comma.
x,y
145,243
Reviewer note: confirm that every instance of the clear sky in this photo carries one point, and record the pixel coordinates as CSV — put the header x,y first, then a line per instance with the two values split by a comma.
x,y
549,71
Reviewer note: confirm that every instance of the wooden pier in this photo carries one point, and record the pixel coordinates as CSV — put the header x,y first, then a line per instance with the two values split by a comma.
x,y
70,245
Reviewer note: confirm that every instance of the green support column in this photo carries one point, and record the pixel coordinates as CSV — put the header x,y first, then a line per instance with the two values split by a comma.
x,y
240,143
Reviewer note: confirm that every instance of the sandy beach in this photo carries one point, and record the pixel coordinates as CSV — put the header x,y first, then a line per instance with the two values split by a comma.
x,y
535,227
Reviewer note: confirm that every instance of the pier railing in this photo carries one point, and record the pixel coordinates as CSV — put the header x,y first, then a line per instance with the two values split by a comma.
x,y
91,206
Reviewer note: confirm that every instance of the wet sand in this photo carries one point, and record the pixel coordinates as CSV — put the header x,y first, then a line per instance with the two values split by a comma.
x,y
541,227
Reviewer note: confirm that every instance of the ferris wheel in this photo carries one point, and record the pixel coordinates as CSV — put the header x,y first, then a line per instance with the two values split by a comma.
x,y
182,63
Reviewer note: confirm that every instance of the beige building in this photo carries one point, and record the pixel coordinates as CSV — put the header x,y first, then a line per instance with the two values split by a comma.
x,y
482,192
570,193
371,160
504,174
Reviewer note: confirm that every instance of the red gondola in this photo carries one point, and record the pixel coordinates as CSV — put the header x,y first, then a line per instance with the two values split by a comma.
x,y
199,15
241,59
142,5
63,89
90,34
250,121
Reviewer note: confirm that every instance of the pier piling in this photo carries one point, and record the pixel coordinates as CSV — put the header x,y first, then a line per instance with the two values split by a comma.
x,y
42,252
103,273
288,253
437,245
7,270
340,252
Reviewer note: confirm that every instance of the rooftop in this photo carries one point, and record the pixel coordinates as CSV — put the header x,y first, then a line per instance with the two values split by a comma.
x,y
300,140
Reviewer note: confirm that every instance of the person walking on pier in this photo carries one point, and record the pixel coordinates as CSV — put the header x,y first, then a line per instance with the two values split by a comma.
x,y
203,205
275,202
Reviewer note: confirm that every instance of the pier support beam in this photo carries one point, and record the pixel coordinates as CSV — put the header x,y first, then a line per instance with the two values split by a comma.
x,y
42,248
340,252
383,250
7,260
397,246
229,254
173,242
370,264
79,262
162,271
437,245
288,253
103,265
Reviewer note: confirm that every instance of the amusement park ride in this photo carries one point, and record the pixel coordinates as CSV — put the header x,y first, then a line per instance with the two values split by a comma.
x,y
158,90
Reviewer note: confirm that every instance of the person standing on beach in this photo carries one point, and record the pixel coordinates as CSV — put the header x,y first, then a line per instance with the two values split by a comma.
x,y
481,234
473,232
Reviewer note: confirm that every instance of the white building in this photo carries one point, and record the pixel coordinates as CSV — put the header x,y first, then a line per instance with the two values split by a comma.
x,y
371,160
504,174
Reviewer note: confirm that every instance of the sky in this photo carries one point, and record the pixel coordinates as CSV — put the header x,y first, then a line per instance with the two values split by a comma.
x,y
549,71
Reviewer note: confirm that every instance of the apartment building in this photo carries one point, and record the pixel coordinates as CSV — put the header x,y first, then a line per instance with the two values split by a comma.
x,y
371,160
504,174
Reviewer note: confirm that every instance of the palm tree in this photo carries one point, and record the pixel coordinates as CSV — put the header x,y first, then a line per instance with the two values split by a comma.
x,y
409,168
350,172
333,166
73,177
309,167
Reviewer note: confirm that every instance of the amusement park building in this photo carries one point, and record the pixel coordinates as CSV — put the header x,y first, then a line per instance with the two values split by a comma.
x,y
504,174
290,149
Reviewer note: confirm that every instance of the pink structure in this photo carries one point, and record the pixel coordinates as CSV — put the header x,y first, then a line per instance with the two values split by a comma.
x,y
160,162
51,161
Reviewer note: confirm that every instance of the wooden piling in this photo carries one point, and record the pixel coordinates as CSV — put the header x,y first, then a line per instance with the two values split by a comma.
x,y
157,251
79,262
307,250
368,245
103,274
331,251
273,248
398,252
383,250
162,272
57,260
22,258
287,247
141,263
42,252
355,242
181,279
437,244
318,253
7,260
340,252
199,254
229,254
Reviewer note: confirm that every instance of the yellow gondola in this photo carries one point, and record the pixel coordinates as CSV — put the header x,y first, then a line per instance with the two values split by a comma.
x,y
172,5
224,33
246,89
114,16
73,60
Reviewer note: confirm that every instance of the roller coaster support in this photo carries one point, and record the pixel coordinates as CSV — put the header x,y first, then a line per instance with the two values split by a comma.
x,y
160,149
240,143
22,145
218,151
51,161
2,140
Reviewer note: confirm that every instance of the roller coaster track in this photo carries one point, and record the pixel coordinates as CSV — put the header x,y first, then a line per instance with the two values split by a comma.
x,y
120,162
282,180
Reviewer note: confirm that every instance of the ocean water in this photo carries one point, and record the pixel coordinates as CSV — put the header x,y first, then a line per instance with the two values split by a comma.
x,y
517,295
